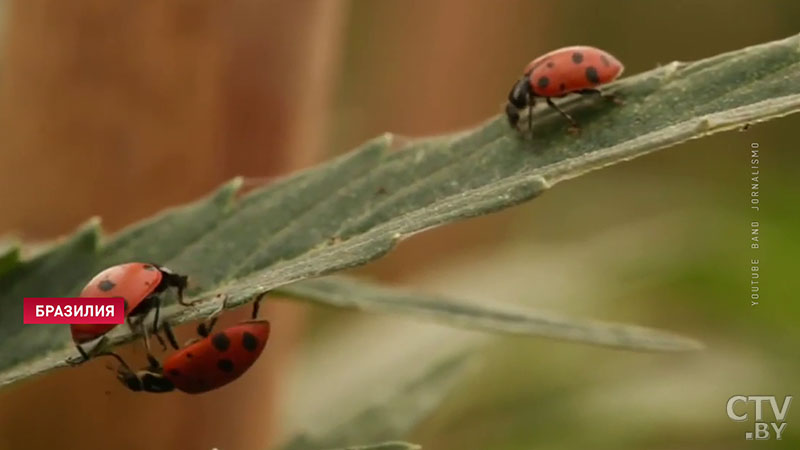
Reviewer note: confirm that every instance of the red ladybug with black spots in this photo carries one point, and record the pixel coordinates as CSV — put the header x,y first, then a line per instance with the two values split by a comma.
x,y
140,285
205,364
578,69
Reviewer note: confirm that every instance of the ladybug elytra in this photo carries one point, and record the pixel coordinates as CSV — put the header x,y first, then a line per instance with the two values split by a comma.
x,y
205,364
140,285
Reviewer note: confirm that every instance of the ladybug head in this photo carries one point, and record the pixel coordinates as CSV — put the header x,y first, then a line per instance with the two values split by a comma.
x,y
125,375
520,93
154,382
144,380
175,280
147,380
518,98
129,379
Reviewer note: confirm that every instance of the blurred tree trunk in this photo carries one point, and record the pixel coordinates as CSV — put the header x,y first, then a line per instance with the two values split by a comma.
x,y
119,109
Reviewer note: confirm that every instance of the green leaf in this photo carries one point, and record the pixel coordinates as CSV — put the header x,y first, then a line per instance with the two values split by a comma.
x,y
356,208
348,293
394,445
387,415
9,257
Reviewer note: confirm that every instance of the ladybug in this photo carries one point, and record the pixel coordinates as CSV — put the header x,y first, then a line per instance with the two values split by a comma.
x,y
139,284
203,365
578,69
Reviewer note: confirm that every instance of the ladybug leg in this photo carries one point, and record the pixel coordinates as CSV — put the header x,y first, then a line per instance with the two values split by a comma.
x,y
204,328
135,324
170,335
125,374
598,92
256,305
118,358
143,328
96,349
180,282
165,326
574,125
157,305
153,364
182,301
161,341
181,287
80,359
531,104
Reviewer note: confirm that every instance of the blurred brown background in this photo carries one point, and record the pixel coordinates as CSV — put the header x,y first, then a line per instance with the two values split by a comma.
x,y
121,108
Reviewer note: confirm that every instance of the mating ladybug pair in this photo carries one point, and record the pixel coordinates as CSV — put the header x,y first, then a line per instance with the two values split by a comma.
x,y
203,364
207,363
578,69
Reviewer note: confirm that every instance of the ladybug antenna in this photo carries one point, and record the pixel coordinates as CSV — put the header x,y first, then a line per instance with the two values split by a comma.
x,y
118,358
125,375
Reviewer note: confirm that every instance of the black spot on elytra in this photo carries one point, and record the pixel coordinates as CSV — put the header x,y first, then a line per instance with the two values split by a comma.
x,y
562,87
175,372
591,75
106,285
221,342
543,82
225,365
550,64
577,57
249,342
605,60
189,354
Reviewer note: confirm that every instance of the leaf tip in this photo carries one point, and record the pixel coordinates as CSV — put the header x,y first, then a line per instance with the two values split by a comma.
x,y
9,244
228,191
235,183
93,224
91,231
693,345
387,137
10,251
671,342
